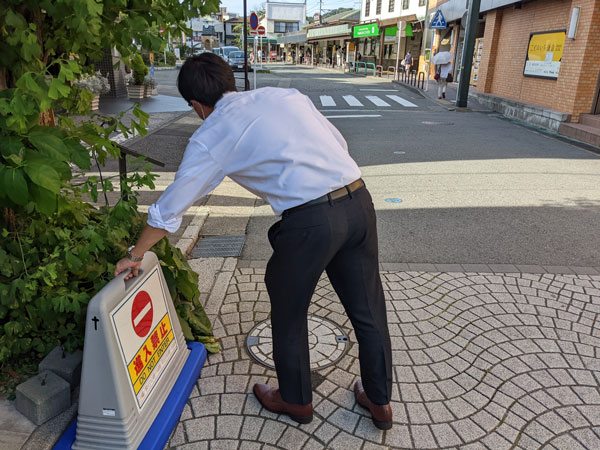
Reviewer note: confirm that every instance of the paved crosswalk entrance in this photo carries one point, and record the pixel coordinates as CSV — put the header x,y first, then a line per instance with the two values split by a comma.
x,y
365,100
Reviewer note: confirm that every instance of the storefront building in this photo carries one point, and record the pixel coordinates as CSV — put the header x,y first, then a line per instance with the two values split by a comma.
x,y
539,59
329,41
380,45
294,46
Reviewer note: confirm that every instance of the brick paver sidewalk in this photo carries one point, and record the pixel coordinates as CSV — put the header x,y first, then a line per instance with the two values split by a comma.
x,y
481,361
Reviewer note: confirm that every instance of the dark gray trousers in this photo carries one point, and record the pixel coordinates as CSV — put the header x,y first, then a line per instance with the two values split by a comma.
x,y
339,237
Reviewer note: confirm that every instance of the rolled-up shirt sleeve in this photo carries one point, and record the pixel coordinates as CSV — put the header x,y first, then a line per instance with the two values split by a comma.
x,y
198,174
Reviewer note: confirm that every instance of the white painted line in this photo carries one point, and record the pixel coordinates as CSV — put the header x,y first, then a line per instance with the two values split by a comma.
x,y
352,100
380,90
402,101
377,100
142,314
357,115
327,100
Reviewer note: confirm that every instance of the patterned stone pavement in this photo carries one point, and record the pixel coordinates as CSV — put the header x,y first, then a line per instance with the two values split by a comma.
x,y
481,361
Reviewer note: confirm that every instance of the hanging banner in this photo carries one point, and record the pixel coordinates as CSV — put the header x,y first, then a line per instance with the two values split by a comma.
x,y
544,54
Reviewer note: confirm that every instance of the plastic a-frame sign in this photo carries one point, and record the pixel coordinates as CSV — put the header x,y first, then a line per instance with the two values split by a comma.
x,y
438,22
137,370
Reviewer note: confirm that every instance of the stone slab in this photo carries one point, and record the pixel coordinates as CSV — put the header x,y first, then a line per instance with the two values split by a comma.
x,y
43,397
64,364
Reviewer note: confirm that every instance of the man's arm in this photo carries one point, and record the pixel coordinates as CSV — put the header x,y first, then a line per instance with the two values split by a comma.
x,y
197,175
148,238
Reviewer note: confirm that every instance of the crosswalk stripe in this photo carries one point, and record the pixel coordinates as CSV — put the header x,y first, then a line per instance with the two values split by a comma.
x,y
377,101
402,101
352,100
327,100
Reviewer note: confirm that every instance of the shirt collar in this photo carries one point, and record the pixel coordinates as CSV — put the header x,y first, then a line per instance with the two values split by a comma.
x,y
227,97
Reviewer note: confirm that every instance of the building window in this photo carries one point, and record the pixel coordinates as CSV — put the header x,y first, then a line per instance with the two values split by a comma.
x,y
368,8
392,5
378,10
405,4
286,27
421,2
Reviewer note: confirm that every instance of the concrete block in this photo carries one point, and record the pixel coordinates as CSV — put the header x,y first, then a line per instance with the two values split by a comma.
x,y
64,364
43,397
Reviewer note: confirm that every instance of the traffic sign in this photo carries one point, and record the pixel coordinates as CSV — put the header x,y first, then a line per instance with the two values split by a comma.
x,y
137,370
141,314
261,30
252,32
253,21
438,22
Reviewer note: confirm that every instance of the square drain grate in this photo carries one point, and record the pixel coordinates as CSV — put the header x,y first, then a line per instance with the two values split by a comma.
x,y
219,246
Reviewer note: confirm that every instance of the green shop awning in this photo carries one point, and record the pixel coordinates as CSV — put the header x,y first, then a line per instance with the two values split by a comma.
x,y
264,40
329,32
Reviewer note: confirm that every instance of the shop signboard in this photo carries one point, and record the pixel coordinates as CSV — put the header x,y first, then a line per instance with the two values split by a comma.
x,y
370,29
544,54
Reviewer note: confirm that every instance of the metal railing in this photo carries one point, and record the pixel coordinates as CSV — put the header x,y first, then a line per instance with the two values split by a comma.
x,y
123,165
353,66
413,78
391,70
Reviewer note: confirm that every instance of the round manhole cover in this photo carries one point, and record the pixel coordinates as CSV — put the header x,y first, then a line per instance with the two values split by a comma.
x,y
437,123
326,341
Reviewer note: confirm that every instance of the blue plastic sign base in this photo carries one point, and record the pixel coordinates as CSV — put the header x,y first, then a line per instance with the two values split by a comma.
x,y
167,418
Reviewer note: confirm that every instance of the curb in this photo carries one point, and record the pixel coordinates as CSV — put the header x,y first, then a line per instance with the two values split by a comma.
x,y
192,232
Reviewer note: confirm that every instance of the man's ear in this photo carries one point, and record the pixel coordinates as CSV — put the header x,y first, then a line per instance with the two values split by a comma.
x,y
198,108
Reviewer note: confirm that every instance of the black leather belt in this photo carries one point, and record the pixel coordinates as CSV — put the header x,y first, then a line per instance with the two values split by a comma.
x,y
333,195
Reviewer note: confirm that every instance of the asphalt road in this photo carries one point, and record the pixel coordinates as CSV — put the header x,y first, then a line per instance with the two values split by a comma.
x,y
450,187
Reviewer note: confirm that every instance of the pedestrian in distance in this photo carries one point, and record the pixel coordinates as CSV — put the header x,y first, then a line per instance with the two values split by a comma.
x,y
442,75
408,61
328,223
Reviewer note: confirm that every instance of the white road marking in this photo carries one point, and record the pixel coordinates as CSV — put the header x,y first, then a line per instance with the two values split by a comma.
x,y
142,314
377,101
327,100
403,102
357,115
352,100
380,90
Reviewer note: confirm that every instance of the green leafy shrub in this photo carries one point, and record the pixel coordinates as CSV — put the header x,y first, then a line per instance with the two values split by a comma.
x,y
171,58
52,267
57,249
140,70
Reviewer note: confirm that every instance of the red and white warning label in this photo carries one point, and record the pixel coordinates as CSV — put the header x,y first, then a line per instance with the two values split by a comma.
x,y
145,336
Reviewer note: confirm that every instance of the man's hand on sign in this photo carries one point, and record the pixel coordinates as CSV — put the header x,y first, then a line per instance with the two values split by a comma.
x,y
148,238
125,264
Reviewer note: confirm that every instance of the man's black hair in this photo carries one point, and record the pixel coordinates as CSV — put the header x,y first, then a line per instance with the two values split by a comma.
x,y
205,78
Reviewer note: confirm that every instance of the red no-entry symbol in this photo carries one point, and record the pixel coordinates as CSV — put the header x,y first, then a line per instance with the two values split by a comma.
x,y
141,314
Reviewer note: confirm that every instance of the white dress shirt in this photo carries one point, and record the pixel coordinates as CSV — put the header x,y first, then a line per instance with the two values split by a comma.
x,y
272,141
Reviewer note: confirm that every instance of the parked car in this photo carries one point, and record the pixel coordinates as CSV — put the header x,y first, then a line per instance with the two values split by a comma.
x,y
224,52
236,61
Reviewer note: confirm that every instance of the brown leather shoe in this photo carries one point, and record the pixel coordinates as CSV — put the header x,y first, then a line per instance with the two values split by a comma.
x,y
271,399
381,414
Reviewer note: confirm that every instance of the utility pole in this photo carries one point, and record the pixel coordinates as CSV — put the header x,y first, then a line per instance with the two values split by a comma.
x,y
467,57
245,31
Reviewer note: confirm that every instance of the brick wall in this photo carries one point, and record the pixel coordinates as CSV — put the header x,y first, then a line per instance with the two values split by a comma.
x,y
491,39
577,84
505,49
